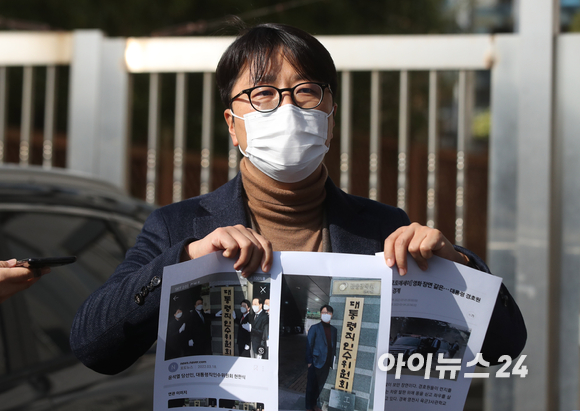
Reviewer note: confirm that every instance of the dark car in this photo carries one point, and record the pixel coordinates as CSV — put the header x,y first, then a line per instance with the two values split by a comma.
x,y
50,214
407,345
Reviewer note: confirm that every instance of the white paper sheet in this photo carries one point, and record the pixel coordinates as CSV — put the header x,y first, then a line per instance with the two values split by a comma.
x,y
447,303
205,381
432,310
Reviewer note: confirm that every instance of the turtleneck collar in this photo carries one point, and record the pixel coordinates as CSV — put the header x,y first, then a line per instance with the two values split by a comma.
x,y
290,215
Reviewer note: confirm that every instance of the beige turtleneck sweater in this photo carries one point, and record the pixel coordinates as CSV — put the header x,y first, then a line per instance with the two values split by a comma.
x,y
289,215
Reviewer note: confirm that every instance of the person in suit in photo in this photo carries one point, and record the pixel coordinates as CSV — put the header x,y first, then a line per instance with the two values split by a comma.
x,y
320,352
260,321
179,334
244,335
266,336
201,324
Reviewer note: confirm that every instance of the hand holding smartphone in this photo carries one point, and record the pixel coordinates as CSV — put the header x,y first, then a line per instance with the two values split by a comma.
x,y
45,262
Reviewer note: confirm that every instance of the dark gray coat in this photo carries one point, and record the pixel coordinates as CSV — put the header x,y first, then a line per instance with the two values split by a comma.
x,y
110,331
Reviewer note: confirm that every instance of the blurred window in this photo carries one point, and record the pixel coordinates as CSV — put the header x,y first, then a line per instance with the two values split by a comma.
x,y
47,309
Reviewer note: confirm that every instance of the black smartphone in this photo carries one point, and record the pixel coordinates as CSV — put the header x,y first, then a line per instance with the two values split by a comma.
x,y
45,262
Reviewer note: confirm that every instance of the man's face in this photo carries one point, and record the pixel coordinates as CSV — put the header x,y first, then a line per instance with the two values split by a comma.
x,y
255,301
325,311
279,74
178,314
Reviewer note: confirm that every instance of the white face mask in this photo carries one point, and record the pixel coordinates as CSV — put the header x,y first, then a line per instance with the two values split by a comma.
x,y
266,307
325,318
256,308
243,310
287,144
199,307
178,315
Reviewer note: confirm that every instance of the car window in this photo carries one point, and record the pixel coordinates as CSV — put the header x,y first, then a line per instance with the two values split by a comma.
x,y
47,309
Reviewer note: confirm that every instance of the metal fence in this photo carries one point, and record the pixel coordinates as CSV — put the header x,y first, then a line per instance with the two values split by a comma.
x,y
533,229
99,111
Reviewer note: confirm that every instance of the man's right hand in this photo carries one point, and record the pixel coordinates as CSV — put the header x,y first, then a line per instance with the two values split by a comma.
x,y
250,249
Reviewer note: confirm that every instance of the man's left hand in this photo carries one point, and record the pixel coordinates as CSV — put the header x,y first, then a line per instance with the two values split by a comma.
x,y
422,243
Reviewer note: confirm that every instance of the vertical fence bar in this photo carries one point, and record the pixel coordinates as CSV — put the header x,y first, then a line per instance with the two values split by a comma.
x,y
113,116
375,143
502,197
402,160
206,133
153,135
567,90
538,214
86,92
3,109
461,158
433,145
27,114
49,116
345,131
179,135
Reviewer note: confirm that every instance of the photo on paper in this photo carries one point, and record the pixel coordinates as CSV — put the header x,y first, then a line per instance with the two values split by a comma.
x,y
224,317
240,405
434,338
317,312
213,344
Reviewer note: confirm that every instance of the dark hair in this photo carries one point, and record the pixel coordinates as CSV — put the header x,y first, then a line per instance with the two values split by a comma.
x,y
260,300
328,308
254,49
249,304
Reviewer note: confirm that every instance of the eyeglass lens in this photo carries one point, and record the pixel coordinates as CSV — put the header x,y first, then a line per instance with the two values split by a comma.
x,y
307,95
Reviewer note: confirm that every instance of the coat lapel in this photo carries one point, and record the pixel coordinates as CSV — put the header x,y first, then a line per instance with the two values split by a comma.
x,y
350,231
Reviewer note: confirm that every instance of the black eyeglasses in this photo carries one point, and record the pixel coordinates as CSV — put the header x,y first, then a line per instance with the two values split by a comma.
x,y
268,98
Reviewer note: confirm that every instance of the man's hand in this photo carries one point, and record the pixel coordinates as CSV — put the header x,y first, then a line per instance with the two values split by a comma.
x,y
250,249
422,243
14,279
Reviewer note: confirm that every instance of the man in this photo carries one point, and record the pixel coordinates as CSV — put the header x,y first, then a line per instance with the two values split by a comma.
x,y
277,84
266,336
179,334
201,326
244,335
320,352
259,323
